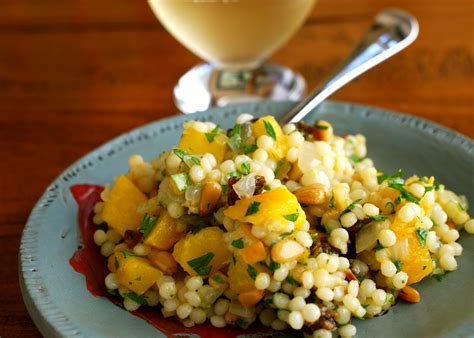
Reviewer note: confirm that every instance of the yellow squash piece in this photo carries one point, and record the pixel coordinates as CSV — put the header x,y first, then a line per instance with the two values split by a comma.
x,y
281,144
164,233
274,205
137,274
239,278
202,253
196,143
120,209
417,264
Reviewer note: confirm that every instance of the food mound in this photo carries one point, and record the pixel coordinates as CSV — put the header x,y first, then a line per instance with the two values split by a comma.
x,y
292,227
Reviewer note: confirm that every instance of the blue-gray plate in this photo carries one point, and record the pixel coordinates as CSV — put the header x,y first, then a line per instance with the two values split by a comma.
x,y
56,295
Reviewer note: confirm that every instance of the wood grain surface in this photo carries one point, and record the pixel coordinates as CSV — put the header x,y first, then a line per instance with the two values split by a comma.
x,y
74,74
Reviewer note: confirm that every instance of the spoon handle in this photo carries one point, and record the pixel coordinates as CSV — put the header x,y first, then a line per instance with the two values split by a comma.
x,y
392,31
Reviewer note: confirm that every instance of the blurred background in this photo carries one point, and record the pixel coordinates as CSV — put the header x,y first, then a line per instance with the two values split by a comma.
x,y
74,74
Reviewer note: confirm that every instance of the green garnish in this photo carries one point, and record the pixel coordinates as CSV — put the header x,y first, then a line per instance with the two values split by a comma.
x,y
292,217
440,276
252,272
325,228
245,168
238,243
112,292
103,227
398,265
147,224
242,323
116,262
218,279
422,234
378,218
378,247
235,140
460,207
269,129
428,188
137,298
181,181
391,205
266,187
233,174
331,202
320,127
200,264
184,155
396,178
350,207
356,159
436,185
273,265
253,208
249,148
225,187
390,298
360,278
127,253
212,135
291,280
424,179
404,193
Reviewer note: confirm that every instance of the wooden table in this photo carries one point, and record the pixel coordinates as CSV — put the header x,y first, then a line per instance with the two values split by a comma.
x,y
74,74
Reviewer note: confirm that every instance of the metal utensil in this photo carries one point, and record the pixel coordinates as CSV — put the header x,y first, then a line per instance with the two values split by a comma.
x,y
392,31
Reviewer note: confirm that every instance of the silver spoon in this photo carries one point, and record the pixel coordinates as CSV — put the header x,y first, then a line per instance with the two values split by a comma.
x,y
392,31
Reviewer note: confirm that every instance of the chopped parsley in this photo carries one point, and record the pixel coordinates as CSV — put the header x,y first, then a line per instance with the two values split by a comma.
x,y
325,228
249,148
396,178
252,272
137,298
404,193
181,181
440,276
212,135
273,265
392,206
398,265
266,187
269,129
319,126
218,278
147,224
238,243
127,253
378,247
436,185
112,292
350,207
253,208
460,207
201,264
378,218
360,278
331,202
103,227
242,323
184,155
390,298
235,140
291,280
356,159
292,217
421,234
396,182
245,168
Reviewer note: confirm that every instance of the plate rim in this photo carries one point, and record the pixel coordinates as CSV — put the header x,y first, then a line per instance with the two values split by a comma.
x,y
47,317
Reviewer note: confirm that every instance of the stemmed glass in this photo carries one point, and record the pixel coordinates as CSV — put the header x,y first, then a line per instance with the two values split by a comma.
x,y
235,38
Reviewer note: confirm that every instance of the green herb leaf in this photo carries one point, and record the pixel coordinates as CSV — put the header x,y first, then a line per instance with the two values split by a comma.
x,y
292,217
245,168
238,243
460,207
378,218
390,298
436,185
424,179
360,278
391,205
218,279
236,130
116,262
180,153
396,178
291,280
252,272
181,181
378,247
233,174
428,188
273,265
269,300
112,292
253,208
212,135
127,253
249,148
147,224
350,207
398,265
325,228
404,193
137,298
200,264
193,159
356,159
266,187
242,323
331,202
422,234
103,227
269,129
439,277
319,126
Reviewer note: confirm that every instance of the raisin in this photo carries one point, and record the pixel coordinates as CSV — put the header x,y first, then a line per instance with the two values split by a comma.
x,y
132,237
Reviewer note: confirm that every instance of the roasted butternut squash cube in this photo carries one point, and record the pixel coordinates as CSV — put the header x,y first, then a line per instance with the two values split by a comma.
x,y
196,143
278,204
115,261
137,274
239,274
164,261
267,125
202,253
164,233
120,210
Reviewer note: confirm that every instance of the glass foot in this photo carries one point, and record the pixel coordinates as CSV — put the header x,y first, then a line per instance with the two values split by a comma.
x,y
205,86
